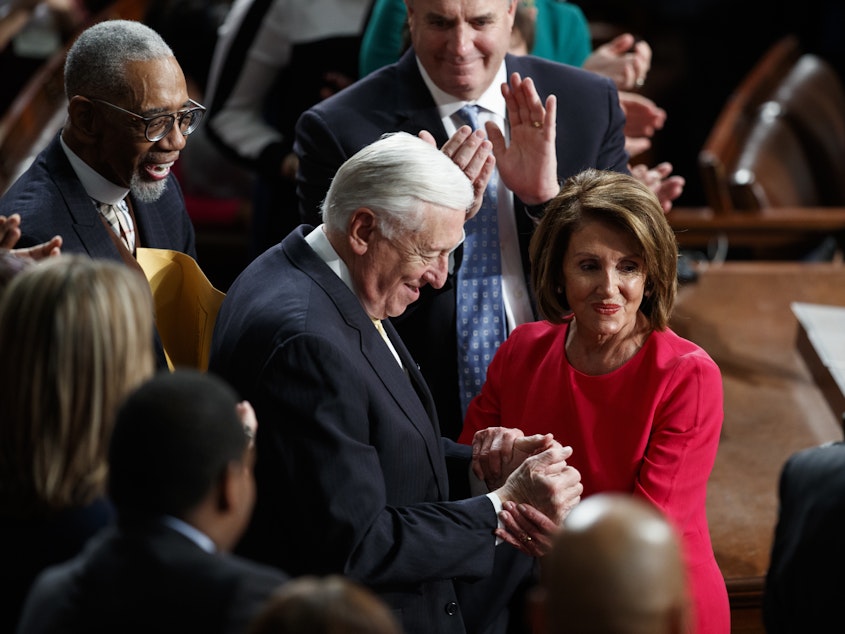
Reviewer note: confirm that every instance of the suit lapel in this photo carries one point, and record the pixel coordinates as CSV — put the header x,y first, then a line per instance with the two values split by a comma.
x,y
415,106
413,373
416,404
79,206
408,390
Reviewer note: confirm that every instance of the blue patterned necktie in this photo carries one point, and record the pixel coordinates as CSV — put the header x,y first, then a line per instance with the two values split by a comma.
x,y
480,306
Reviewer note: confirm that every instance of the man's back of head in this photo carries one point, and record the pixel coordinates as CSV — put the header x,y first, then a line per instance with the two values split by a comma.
x,y
179,449
180,474
615,568
322,605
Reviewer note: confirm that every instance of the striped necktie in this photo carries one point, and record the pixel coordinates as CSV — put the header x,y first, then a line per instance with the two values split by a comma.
x,y
480,305
120,221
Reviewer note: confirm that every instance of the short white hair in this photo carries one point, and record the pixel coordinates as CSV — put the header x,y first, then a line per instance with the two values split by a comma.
x,y
394,177
96,63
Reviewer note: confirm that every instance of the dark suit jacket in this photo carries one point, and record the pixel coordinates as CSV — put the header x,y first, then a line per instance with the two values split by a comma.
x,y
51,201
148,579
351,470
807,571
589,134
28,545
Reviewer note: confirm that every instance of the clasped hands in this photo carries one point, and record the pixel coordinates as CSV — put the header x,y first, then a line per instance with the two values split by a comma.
x,y
530,475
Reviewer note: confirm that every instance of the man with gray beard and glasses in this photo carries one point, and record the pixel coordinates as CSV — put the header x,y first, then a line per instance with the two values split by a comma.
x,y
104,183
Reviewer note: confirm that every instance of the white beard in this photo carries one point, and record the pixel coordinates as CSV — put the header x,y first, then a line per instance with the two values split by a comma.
x,y
147,191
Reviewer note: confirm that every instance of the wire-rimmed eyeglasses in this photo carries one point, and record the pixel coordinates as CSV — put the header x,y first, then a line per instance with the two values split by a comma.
x,y
159,126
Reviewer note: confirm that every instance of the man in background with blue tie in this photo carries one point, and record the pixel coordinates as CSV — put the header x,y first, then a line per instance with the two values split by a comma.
x,y
104,184
547,121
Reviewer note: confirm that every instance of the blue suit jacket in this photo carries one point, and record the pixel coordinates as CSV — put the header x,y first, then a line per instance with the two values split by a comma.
x,y
589,134
351,470
148,579
51,201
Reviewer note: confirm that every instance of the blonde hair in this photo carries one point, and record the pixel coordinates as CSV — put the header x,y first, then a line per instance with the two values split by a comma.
x,y
76,335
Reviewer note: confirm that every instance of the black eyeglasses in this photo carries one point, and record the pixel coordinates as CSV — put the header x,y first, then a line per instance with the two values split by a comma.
x,y
160,125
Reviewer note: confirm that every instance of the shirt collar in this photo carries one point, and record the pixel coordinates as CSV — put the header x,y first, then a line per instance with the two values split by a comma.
x,y
97,187
194,534
319,241
491,100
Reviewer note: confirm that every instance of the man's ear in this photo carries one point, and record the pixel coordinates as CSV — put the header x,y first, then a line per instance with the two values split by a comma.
x,y
362,226
83,118
228,486
512,12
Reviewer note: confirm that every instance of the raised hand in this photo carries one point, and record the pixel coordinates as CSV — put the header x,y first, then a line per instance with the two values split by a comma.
x,y
528,165
47,249
10,231
658,179
643,118
474,155
623,59
248,419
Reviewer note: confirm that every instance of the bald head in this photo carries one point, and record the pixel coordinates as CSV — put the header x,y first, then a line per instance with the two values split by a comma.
x,y
615,568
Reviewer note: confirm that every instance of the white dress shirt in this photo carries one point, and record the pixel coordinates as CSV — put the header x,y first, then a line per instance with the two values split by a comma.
x,y
492,108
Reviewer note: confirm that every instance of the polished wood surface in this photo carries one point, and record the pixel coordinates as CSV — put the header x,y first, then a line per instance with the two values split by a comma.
x,y
740,314
775,231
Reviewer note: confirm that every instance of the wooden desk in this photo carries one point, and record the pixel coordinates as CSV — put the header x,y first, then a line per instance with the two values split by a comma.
x,y
740,314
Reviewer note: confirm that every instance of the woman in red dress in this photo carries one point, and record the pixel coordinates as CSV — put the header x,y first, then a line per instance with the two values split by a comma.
x,y
640,406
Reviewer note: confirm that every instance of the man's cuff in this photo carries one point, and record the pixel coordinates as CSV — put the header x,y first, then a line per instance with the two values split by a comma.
x,y
536,212
497,502
497,506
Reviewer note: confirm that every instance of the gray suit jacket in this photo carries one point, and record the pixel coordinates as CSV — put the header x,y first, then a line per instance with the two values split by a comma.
x,y
351,470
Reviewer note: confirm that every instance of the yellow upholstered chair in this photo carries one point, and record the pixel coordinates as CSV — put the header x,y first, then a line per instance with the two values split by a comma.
x,y
186,305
